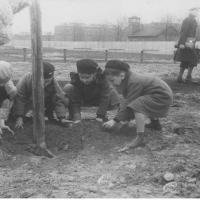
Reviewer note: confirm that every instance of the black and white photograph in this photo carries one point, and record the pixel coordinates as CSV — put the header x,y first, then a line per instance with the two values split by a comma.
x,y
99,99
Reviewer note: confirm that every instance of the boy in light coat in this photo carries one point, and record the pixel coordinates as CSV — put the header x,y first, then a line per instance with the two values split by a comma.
x,y
143,96
7,93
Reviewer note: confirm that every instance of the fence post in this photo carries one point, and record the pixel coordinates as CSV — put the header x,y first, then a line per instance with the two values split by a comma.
x,y
65,55
142,54
106,55
174,57
24,54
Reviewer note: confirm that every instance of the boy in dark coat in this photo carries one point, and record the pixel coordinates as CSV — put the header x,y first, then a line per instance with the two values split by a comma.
x,y
55,99
187,57
89,87
143,96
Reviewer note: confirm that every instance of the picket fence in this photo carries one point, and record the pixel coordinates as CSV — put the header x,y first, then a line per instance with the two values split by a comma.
x,y
155,47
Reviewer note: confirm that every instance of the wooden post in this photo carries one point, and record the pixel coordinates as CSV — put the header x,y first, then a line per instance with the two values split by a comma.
x,y
65,55
24,54
37,80
106,55
142,54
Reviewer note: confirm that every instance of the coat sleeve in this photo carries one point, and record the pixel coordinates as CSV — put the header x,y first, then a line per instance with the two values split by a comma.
x,y
75,102
134,91
23,94
11,89
184,31
61,101
104,98
61,93
5,109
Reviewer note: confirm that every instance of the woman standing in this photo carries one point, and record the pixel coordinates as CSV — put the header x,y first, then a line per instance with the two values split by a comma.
x,y
187,57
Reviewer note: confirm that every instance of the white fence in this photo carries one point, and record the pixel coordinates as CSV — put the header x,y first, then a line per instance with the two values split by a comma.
x,y
162,47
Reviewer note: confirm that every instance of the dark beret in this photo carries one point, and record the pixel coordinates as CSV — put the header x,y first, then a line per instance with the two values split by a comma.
x,y
48,70
86,66
117,64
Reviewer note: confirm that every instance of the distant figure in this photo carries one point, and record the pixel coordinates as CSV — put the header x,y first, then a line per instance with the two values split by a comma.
x,y
7,93
54,98
187,57
89,87
143,96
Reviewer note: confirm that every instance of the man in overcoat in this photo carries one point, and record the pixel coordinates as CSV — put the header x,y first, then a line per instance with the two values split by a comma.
x,y
188,57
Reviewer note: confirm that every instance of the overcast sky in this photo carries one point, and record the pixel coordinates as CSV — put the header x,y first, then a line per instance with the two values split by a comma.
x,y
55,12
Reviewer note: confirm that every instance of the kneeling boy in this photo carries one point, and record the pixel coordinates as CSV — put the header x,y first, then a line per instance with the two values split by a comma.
x,y
143,96
55,99
89,87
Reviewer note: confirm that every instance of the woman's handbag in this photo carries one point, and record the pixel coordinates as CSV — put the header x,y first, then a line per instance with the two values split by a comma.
x,y
190,43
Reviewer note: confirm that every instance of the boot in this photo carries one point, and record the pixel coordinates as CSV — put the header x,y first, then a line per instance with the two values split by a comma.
x,y
139,141
70,116
180,80
49,115
154,124
189,79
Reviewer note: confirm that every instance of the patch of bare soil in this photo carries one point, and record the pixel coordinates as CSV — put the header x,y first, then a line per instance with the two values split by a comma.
x,y
87,164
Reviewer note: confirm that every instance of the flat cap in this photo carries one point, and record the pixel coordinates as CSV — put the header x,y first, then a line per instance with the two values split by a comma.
x,y
48,70
117,64
86,66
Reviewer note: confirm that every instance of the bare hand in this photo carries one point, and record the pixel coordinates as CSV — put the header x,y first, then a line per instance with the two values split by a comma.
x,y
77,121
182,46
6,128
109,124
99,119
19,123
66,121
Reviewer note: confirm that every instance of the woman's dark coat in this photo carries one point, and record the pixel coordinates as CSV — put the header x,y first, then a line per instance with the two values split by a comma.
x,y
188,29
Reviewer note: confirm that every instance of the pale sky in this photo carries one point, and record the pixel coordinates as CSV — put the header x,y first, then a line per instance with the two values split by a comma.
x,y
55,12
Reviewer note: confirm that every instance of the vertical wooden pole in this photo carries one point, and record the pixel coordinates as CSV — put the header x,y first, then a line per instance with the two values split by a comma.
x,y
142,55
106,55
65,55
37,80
24,54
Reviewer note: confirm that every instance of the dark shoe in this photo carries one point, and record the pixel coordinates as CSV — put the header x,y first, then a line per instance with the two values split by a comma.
x,y
139,141
65,123
49,114
53,120
180,80
70,117
190,80
154,124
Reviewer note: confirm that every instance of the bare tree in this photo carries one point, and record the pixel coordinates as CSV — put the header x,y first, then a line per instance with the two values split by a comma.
x,y
170,27
119,27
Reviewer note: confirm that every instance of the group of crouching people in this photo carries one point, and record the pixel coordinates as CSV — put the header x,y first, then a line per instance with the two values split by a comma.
x,y
144,96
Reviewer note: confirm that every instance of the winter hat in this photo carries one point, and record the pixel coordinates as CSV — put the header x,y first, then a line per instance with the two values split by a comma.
x,y
48,70
86,66
117,64
6,71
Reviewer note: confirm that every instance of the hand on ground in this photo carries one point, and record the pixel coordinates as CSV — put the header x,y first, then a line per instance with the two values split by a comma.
x,y
19,123
109,124
6,128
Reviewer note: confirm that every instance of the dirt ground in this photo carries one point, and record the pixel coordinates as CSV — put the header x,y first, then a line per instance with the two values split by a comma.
x,y
86,162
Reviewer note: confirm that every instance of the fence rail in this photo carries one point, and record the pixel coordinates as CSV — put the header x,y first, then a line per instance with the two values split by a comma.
x,y
156,47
